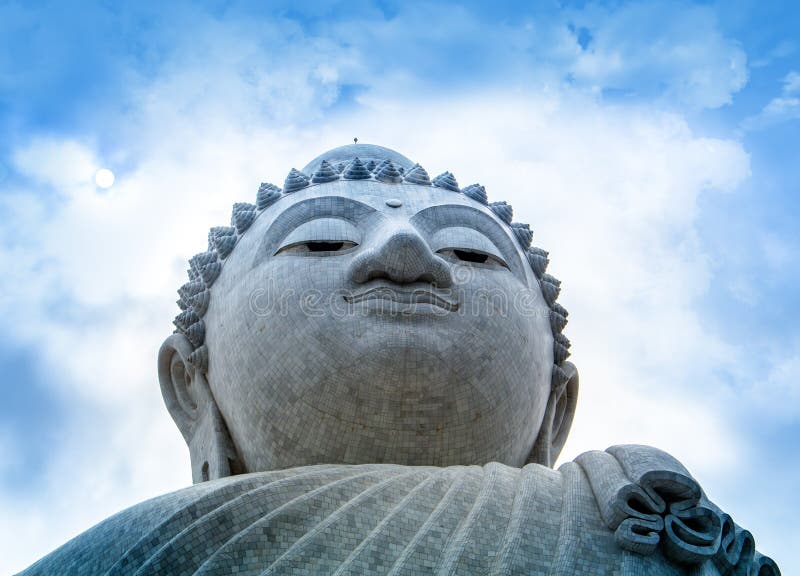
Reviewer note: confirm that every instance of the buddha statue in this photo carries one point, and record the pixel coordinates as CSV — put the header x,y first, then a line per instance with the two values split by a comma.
x,y
370,372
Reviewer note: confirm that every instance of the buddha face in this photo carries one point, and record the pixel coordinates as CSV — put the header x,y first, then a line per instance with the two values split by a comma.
x,y
358,321
368,317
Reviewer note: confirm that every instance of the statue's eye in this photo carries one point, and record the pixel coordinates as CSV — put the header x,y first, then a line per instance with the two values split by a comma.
x,y
321,237
468,246
326,246
322,247
472,257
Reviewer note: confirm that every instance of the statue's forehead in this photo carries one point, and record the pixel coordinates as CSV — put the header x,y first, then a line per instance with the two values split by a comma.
x,y
384,207
398,200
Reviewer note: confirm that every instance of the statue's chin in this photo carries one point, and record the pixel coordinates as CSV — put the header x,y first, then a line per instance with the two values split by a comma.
x,y
411,405
430,439
417,391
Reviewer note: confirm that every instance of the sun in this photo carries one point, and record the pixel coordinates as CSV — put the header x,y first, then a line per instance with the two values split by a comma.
x,y
104,178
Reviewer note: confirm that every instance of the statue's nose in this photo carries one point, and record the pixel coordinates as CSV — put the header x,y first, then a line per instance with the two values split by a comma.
x,y
404,257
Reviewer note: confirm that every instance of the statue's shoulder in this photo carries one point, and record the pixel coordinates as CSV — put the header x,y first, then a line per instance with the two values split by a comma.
x,y
660,515
629,510
121,539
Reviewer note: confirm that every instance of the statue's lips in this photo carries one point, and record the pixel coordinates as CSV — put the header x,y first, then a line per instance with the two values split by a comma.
x,y
402,296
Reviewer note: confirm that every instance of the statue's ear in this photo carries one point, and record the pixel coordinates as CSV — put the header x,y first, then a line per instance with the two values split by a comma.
x,y
189,400
557,417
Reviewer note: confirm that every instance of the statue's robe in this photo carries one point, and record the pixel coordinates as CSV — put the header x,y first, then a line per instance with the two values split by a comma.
x,y
628,510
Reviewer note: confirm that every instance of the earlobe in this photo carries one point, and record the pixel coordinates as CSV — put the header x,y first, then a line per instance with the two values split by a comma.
x,y
176,375
558,417
191,404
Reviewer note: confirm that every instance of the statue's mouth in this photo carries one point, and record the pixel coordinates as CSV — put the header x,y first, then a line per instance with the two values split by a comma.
x,y
403,296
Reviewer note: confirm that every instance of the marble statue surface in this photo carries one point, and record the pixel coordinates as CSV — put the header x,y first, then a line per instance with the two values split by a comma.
x,y
370,372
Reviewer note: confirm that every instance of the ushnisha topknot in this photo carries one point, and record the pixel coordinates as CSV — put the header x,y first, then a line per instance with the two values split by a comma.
x,y
418,175
503,210
357,171
295,181
538,260
476,192
523,233
224,241
325,173
267,194
242,216
386,168
446,181
389,174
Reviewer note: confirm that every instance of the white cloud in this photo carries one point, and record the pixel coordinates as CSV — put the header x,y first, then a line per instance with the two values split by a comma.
x,y
779,253
777,393
791,83
646,51
65,168
783,49
744,290
661,47
777,111
783,108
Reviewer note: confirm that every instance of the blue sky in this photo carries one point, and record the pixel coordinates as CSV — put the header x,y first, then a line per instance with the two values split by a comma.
x,y
651,145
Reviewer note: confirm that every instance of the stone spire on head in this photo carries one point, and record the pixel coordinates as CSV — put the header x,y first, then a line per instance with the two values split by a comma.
x,y
367,153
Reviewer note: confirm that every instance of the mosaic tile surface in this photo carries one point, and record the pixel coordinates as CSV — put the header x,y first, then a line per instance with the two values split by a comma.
x,y
390,519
